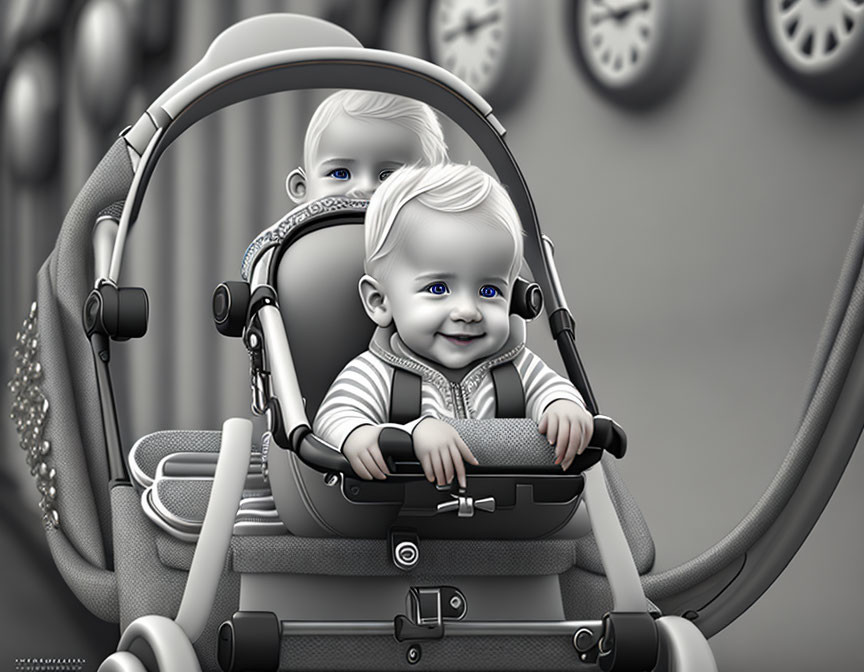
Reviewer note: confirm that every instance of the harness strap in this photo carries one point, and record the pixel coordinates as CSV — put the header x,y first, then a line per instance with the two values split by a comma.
x,y
405,396
509,393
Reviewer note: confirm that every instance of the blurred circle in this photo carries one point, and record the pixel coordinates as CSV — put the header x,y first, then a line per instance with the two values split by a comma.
x,y
104,49
152,21
817,45
32,115
23,20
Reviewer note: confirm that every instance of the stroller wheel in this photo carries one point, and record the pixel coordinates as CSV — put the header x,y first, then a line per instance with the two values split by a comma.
x,y
122,661
683,647
156,639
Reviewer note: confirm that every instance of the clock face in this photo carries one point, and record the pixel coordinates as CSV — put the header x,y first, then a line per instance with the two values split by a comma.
x,y
634,52
814,36
469,38
817,45
489,44
619,38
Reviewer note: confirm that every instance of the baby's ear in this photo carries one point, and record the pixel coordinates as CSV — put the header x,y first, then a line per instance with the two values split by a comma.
x,y
375,301
295,185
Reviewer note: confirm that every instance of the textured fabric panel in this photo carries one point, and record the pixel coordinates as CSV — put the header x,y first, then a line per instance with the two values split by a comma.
x,y
227,602
632,522
185,498
115,210
148,587
74,422
585,595
145,586
174,553
76,505
370,557
95,588
775,498
453,653
149,450
505,442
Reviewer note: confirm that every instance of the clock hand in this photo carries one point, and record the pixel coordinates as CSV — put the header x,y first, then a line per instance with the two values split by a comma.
x,y
624,12
486,20
470,26
621,13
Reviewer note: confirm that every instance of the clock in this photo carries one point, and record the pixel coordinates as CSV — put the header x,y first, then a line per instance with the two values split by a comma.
x,y
489,44
817,45
633,51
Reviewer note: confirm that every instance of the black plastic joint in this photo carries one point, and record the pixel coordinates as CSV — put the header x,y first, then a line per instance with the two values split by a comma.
x,y
297,435
560,321
230,305
120,313
250,640
630,642
264,295
527,301
276,425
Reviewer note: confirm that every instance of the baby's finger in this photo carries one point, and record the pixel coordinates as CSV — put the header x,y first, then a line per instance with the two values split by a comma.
x,y
447,462
575,445
552,429
426,463
572,446
463,448
438,467
369,462
458,464
358,468
379,459
541,426
562,439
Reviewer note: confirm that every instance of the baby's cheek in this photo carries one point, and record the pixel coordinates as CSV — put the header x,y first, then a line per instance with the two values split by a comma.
x,y
501,324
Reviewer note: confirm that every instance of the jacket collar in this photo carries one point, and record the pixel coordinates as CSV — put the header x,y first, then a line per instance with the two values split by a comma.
x,y
388,346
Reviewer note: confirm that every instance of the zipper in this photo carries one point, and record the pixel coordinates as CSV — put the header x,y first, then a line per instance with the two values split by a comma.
x,y
458,400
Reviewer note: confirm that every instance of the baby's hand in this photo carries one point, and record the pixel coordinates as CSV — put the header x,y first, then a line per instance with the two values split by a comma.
x,y
441,450
364,455
568,427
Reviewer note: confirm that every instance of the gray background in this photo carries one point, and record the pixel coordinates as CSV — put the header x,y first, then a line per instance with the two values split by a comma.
x,y
698,244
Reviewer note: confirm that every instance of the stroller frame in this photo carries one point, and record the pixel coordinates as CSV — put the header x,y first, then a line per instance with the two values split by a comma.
x,y
249,60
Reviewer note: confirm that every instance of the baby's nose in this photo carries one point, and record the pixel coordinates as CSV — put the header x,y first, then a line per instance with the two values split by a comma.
x,y
465,309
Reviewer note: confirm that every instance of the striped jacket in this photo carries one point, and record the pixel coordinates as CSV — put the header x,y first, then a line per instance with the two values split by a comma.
x,y
360,395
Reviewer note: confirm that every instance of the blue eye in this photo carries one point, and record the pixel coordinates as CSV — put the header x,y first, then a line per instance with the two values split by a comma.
x,y
437,288
384,174
339,174
489,291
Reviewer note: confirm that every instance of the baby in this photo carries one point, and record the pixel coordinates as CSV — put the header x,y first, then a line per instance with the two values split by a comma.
x,y
443,248
356,139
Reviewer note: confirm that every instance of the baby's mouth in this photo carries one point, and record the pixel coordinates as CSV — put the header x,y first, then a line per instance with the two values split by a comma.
x,y
462,339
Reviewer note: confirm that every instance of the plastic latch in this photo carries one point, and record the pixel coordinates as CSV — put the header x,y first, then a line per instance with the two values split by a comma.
x,y
430,608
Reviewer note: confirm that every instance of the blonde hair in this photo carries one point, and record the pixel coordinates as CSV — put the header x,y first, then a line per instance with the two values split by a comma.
x,y
449,188
406,112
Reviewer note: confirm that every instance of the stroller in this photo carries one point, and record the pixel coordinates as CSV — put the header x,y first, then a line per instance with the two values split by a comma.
x,y
214,554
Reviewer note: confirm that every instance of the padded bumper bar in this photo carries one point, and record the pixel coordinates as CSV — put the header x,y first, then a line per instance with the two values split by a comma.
x,y
521,458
